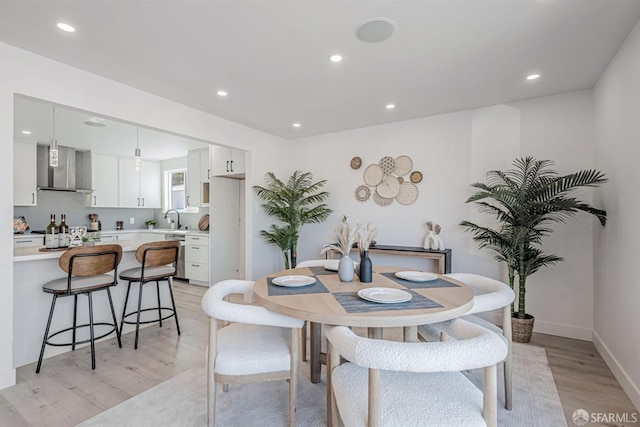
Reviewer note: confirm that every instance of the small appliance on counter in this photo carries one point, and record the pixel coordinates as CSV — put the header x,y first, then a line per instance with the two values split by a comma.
x,y
94,223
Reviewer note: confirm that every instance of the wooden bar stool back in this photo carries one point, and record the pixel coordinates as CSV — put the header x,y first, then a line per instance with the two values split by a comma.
x,y
86,269
157,264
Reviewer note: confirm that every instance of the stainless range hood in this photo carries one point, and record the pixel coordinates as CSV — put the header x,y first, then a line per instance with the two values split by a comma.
x,y
71,174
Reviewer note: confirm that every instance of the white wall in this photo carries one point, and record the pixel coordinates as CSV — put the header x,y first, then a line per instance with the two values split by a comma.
x,y
617,292
452,151
24,73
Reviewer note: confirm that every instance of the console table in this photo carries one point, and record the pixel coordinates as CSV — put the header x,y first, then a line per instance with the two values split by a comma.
x,y
442,256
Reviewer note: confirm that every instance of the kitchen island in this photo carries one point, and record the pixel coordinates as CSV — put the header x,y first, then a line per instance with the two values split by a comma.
x,y
32,269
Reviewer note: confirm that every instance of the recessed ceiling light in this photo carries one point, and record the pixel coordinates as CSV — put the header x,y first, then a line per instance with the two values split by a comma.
x,y
222,93
296,125
390,106
335,58
533,76
26,132
66,27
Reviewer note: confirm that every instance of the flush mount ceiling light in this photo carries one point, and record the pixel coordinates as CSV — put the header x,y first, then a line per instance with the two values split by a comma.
x,y
26,132
335,58
390,106
66,27
534,76
222,93
137,161
296,125
375,30
53,148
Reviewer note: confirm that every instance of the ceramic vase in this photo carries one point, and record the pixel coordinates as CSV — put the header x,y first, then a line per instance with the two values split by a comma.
x,y
345,269
366,268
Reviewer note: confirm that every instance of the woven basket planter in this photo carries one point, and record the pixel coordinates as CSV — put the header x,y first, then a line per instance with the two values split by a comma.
x,y
522,328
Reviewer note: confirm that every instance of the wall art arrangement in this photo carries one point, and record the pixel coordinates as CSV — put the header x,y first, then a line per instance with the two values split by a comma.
x,y
388,180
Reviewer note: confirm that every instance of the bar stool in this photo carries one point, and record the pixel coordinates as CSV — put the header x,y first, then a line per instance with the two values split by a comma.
x,y
158,263
86,270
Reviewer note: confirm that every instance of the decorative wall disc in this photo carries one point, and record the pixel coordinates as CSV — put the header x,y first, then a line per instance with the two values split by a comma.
x,y
363,193
387,163
408,193
373,175
416,177
356,162
402,165
381,201
400,179
389,187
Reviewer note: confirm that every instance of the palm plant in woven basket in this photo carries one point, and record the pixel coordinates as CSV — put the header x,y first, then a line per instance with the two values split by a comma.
x,y
295,203
526,200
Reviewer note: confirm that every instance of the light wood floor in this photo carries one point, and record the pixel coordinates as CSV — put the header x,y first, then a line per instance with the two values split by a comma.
x,y
67,391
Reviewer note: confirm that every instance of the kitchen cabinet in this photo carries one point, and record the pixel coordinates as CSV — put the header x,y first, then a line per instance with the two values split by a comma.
x,y
228,162
198,176
196,259
28,241
104,176
24,174
139,189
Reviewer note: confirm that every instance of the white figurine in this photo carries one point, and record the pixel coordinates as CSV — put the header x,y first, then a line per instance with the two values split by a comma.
x,y
433,239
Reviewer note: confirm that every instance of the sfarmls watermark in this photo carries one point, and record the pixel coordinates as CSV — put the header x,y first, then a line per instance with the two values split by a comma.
x,y
582,417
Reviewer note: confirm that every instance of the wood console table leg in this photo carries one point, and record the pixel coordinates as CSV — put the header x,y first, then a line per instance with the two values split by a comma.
x,y
316,340
375,333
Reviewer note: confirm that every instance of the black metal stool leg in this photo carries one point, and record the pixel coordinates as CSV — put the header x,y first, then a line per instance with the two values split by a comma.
x,y
173,303
46,333
115,321
93,344
159,309
138,317
75,316
124,309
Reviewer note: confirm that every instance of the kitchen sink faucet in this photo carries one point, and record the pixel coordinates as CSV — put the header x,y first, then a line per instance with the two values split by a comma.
x,y
177,213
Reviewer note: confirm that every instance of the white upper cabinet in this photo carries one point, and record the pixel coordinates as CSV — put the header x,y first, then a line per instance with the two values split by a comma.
x,y
139,189
104,176
198,176
24,174
227,162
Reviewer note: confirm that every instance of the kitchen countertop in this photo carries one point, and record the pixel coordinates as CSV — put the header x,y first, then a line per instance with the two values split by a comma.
x,y
33,253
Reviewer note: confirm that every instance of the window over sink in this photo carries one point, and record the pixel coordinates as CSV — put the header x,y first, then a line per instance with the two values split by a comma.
x,y
175,185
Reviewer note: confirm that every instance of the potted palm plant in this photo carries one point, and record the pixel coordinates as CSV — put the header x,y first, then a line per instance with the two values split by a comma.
x,y
295,203
526,200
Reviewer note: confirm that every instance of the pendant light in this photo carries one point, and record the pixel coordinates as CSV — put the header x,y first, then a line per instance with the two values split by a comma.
x,y
137,161
53,148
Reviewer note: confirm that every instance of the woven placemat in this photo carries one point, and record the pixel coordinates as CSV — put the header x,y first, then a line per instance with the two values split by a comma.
x,y
321,270
352,303
438,283
316,288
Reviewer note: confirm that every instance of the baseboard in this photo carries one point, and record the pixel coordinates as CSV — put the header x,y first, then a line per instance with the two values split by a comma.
x,y
7,378
563,330
557,329
627,384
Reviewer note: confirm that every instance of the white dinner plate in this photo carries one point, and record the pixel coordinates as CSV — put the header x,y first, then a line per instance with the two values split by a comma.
x,y
332,265
384,295
293,281
416,276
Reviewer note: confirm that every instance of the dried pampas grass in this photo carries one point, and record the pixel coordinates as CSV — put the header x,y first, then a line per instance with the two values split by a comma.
x,y
346,238
366,235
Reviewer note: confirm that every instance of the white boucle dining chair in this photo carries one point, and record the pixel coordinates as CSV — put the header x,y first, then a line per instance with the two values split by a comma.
x,y
491,295
258,346
389,383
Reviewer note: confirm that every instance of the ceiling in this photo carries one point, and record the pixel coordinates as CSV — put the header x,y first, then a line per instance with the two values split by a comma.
x,y
115,138
272,56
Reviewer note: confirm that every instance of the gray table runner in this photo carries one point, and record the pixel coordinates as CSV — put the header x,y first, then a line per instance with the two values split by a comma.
x,y
352,303
316,288
438,283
